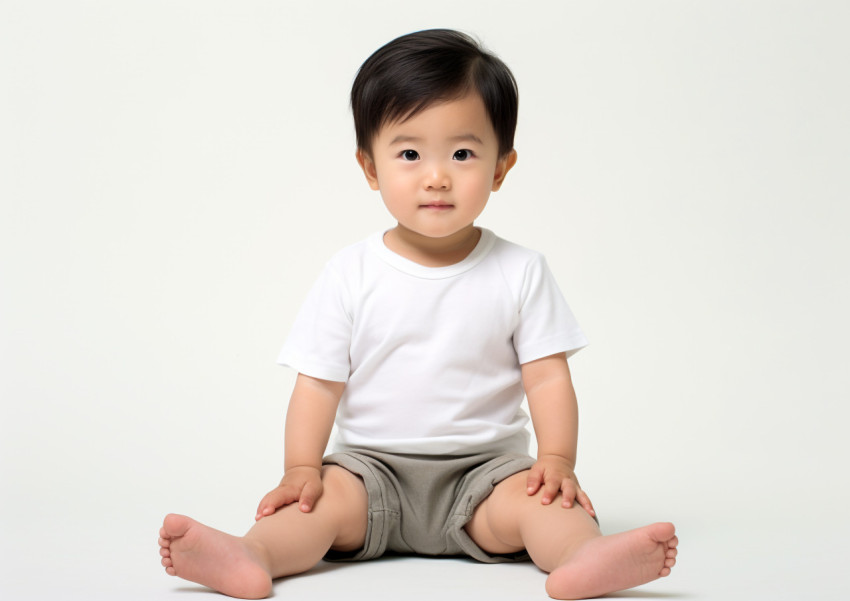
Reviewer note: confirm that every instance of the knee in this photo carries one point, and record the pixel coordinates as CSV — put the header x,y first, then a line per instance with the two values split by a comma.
x,y
495,524
348,503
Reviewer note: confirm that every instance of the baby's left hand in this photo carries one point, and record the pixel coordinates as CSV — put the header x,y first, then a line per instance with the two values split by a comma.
x,y
553,474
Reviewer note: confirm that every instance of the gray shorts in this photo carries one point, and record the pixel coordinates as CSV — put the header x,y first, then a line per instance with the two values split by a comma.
x,y
419,504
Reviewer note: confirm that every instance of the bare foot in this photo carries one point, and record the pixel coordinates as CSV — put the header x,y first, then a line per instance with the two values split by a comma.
x,y
220,561
612,563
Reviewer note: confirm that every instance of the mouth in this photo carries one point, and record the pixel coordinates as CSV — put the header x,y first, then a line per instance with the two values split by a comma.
x,y
437,205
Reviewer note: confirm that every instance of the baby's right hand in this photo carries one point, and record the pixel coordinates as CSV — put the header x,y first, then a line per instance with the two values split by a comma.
x,y
302,484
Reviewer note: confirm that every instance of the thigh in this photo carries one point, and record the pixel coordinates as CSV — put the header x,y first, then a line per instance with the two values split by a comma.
x,y
510,520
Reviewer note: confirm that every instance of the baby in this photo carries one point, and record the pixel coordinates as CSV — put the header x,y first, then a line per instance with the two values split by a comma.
x,y
420,343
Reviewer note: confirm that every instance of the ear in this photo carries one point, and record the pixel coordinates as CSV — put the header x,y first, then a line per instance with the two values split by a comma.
x,y
502,167
368,167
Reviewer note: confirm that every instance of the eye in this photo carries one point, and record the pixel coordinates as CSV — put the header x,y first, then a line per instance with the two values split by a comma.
x,y
462,155
410,155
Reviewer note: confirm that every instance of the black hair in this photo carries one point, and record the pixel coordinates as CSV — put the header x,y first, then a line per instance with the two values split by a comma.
x,y
420,69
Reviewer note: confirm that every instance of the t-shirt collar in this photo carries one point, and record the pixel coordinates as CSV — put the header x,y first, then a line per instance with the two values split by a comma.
x,y
485,244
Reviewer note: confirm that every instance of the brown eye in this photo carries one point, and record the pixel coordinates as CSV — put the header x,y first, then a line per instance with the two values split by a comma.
x,y
410,155
462,155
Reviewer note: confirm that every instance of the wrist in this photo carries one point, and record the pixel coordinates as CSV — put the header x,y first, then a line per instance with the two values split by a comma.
x,y
570,461
303,466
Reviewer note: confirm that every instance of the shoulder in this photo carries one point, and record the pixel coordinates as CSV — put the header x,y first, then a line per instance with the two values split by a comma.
x,y
354,268
513,249
516,258
351,253
350,259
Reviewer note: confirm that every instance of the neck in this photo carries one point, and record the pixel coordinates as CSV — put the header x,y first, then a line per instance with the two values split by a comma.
x,y
432,252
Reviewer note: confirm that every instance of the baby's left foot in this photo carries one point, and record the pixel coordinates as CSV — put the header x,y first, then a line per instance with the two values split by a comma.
x,y
616,562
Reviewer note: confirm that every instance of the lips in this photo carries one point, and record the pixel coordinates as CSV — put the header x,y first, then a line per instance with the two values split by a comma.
x,y
438,205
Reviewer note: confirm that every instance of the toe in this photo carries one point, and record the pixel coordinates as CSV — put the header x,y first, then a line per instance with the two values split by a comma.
x,y
661,532
165,552
673,542
175,525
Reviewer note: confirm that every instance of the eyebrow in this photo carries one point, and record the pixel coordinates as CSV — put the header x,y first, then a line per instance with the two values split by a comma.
x,y
400,139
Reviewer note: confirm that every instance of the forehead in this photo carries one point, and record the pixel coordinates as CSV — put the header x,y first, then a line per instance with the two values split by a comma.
x,y
461,118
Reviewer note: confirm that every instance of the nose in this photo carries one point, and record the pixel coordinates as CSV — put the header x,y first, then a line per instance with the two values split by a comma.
x,y
437,177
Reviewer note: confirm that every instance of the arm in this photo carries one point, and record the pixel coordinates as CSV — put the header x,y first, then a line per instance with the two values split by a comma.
x,y
554,413
309,420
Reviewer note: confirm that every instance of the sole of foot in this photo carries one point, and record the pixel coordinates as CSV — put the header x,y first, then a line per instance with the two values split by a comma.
x,y
198,553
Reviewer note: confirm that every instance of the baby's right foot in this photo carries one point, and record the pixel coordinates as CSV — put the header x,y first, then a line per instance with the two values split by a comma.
x,y
220,561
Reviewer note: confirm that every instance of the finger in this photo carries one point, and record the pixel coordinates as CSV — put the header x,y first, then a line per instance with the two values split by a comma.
x,y
568,488
584,501
309,495
272,501
550,491
533,482
269,503
536,479
266,507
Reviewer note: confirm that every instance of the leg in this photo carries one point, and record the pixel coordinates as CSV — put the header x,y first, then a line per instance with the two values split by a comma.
x,y
285,543
567,543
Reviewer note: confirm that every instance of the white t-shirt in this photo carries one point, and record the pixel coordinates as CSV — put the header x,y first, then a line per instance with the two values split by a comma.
x,y
431,355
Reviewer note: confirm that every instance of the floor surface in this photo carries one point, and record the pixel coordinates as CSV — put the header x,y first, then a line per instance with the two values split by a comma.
x,y
721,563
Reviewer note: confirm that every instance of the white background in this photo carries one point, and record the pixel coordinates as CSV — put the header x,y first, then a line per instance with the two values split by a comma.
x,y
173,175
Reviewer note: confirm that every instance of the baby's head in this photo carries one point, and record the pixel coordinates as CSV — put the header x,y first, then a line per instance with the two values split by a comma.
x,y
418,70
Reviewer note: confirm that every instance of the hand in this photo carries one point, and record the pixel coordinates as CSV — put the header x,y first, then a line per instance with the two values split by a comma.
x,y
301,484
553,474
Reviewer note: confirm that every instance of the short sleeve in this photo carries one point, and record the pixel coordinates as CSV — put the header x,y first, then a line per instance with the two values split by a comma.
x,y
546,323
319,342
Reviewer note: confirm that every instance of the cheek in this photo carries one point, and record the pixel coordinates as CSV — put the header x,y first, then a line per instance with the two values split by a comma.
x,y
395,192
478,186
398,187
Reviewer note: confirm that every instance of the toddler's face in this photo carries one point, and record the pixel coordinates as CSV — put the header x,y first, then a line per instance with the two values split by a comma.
x,y
435,171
